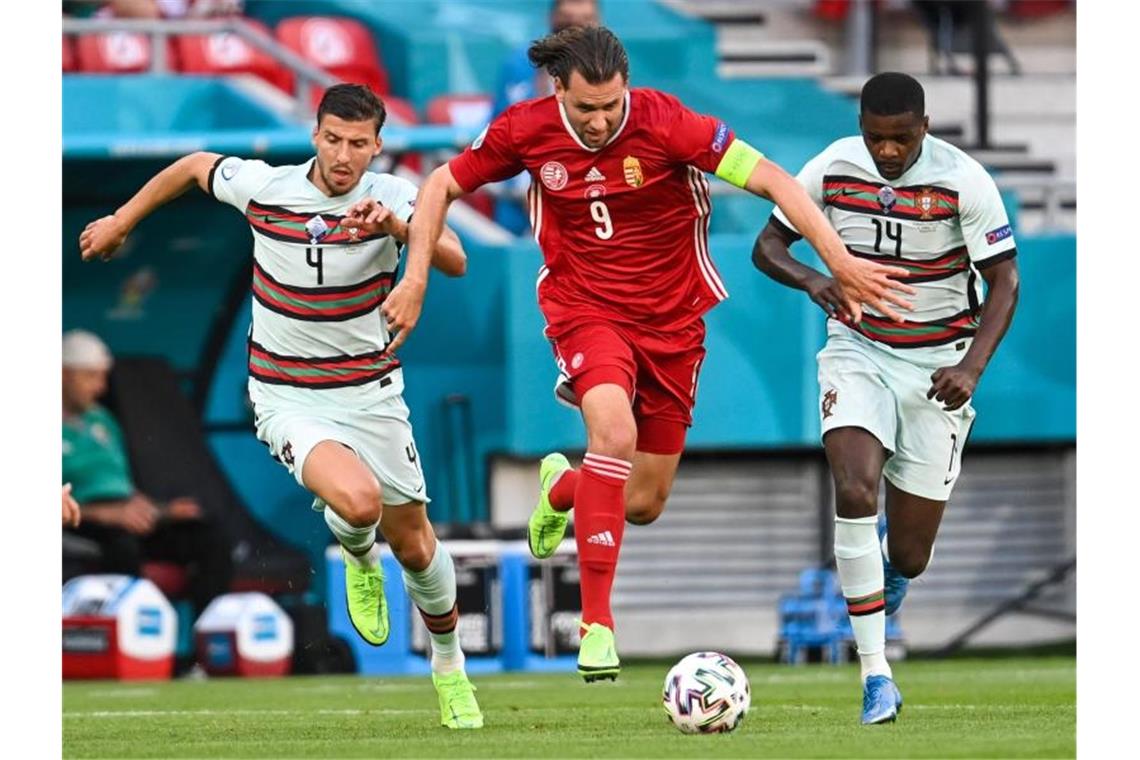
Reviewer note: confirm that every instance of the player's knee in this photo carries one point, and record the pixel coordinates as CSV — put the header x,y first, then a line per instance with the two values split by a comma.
x,y
360,503
856,497
645,506
616,440
909,561
414,550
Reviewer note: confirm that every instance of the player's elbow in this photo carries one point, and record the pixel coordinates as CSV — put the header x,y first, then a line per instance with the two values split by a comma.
x,y
762,253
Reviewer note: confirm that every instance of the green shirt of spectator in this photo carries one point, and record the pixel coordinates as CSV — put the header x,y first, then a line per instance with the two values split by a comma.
x,y
94,457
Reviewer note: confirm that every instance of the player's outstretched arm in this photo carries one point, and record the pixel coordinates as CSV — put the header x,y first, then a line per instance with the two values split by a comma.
x,y
771,255
102,237
954,386
403,305
862,281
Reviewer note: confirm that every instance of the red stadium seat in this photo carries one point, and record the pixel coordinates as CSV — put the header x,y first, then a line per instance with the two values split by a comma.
x,y
460,110
69,62
473,110
118,53
226,53
341,46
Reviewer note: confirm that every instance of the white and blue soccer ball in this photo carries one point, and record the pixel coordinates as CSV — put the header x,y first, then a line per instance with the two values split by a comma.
x,y
706,693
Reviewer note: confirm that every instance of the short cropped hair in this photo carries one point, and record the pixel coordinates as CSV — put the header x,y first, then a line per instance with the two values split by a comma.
x,y
892,93
352,102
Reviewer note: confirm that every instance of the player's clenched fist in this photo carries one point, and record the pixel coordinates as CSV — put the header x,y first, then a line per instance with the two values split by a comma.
x,y
402,309
102,237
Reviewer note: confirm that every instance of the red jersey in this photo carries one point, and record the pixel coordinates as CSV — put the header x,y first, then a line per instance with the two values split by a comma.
x,y
623,228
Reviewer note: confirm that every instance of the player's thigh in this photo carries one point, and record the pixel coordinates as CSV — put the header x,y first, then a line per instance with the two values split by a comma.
x,y
321,454
928,455
591,354
854,392
913,523
649,485
409,533
384,440
336,475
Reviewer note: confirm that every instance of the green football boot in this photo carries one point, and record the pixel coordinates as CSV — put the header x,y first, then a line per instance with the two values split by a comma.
x,y
367,607
546,526
597,654
457,705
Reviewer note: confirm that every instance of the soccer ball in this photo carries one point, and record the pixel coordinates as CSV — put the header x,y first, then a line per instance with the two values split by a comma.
x,y
706,693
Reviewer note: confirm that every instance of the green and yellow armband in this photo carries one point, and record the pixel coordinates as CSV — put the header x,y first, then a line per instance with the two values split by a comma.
x,y
738,162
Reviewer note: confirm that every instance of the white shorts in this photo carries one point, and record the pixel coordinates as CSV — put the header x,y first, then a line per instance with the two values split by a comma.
x,y
861,385
381,437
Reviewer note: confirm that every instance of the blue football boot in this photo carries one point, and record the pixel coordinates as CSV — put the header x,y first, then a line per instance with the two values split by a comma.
x,y
894,583
882,701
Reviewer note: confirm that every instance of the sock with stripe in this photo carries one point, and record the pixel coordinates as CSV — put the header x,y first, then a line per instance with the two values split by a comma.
x,y
599,521
433,592
562,492
360,543
859,561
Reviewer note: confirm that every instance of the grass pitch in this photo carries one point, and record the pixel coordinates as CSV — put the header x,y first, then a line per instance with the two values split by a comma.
x,y
1022,707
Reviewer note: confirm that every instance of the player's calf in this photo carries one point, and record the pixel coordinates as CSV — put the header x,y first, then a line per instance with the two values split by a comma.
x,y
645,505
909,559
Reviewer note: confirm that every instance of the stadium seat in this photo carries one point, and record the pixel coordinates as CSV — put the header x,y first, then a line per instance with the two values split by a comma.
x,y
460,110
227,53
69,62
170,457
341,46
118,53
469,110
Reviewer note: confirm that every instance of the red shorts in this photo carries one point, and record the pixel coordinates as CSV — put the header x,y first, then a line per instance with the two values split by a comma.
x,y
658,371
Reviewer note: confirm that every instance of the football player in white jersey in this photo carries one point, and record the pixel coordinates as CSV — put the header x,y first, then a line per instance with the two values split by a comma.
x,y
326,392
895,398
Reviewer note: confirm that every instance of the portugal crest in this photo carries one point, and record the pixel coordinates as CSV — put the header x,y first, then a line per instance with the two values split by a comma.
x,y
631,168
924,203
829,399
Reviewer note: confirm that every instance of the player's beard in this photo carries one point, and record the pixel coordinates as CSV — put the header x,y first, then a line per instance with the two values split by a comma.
x,y
339,183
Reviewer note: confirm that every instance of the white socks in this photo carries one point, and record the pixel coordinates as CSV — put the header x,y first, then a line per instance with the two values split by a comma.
x,y
360,543
859,561
433,592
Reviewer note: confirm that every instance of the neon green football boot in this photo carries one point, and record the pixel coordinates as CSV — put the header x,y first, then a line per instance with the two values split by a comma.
x,y
367,607
547,526
457,705
597,654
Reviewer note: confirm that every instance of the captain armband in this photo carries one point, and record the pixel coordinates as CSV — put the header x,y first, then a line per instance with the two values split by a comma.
x,y
738,162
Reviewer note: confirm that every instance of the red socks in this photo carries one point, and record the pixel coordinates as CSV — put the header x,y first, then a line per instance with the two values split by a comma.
x,y
562,492
599,521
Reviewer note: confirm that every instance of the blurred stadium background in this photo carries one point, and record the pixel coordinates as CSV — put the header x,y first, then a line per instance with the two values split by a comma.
x,y
752,506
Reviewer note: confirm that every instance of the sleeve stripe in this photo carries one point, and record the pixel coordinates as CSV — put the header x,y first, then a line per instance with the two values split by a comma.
x,y
789,234
997,258
210,177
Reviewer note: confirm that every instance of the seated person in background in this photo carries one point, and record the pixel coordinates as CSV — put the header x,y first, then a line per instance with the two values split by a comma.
x,y
128,526
518,81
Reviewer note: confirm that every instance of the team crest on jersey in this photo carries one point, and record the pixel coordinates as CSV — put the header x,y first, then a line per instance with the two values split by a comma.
x,y
554,175
595,191
317,228
631,168
925,203
829,399
576,362
887,197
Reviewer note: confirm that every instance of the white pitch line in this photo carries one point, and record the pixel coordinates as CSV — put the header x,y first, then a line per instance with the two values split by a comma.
x,y
200,713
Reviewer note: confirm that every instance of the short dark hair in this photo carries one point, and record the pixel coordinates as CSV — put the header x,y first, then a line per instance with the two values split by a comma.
x,y
352,102
891,93
593,51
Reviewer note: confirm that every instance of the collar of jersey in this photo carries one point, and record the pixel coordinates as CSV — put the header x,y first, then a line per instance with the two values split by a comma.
x,y
574,135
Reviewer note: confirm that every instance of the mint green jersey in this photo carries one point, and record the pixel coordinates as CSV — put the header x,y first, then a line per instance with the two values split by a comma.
x,y
94,457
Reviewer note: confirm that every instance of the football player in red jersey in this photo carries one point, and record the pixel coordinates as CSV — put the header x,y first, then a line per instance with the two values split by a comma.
x,y
620,207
